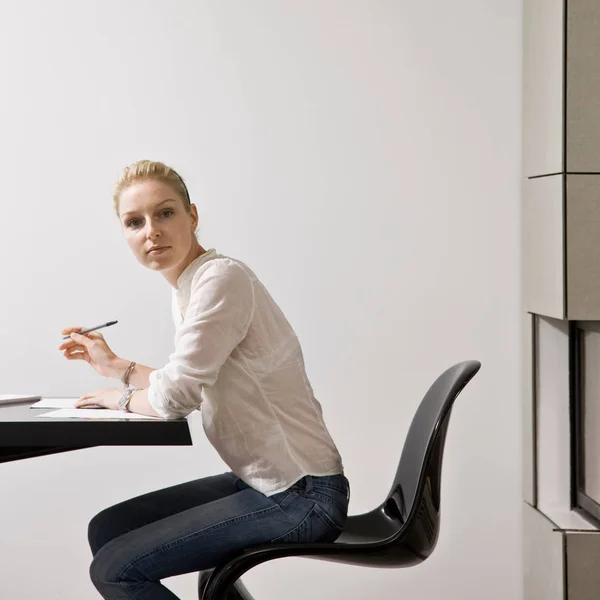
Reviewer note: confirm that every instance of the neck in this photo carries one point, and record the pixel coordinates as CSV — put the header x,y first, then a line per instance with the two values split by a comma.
x,y
172,275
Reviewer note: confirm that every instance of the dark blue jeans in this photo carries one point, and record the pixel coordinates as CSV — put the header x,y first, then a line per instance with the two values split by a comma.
x,y
197,525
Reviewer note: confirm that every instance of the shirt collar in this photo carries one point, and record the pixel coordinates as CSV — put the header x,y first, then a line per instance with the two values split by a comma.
x,y
184,281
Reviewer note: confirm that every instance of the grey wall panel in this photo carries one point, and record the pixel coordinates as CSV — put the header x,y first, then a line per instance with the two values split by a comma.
x,y
583,85
543,240
553,432
583,246
542,87
543,557
583,566
528,415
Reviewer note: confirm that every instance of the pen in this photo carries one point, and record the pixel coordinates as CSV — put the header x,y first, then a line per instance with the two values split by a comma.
x,y
66,337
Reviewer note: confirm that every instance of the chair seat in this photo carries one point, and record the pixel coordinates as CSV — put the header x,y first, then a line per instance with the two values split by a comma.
x,y
403,530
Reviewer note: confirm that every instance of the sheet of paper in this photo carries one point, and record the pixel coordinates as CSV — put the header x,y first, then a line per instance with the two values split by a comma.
x,y
93,413
55,403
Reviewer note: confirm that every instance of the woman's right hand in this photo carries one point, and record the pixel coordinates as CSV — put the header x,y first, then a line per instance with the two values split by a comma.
x,y
92,348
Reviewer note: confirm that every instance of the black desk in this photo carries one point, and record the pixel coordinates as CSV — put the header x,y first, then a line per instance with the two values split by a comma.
x,y
24,435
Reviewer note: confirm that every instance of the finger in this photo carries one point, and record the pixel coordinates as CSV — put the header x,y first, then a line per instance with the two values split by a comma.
x,y
67,343
81,355
95,335
88,403
70,345
75,348
86,397
81,339
69,330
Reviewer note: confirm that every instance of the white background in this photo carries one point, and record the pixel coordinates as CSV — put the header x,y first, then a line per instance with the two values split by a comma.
x,y
364,158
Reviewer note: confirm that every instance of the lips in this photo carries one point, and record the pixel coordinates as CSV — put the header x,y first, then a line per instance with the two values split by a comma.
x,y
158,249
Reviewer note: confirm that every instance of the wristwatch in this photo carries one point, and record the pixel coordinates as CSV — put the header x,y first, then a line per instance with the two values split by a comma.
x,y
125,399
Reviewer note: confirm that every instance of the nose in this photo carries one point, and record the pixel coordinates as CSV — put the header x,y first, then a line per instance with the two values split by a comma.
x,y
152,230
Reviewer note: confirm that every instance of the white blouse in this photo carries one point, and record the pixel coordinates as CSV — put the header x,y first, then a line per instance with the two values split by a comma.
x,y
238,359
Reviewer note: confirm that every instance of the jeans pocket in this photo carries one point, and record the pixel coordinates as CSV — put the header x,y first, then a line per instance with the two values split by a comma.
x,y
330,498
303,532
330,530
317,526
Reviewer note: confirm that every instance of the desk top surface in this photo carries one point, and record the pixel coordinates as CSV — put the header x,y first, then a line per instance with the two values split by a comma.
x,y
20,425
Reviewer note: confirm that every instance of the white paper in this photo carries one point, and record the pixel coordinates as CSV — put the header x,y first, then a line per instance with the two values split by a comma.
x,y
93,413
55,403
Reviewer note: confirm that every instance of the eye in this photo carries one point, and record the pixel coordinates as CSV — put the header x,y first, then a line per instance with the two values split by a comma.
x,y
133,223
167,212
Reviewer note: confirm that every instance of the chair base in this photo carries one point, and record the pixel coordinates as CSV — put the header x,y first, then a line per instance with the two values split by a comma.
x,y
238,592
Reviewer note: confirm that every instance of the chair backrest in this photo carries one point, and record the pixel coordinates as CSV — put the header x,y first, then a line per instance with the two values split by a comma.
x,y
415,494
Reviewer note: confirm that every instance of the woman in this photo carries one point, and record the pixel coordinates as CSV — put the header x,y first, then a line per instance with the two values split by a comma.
x,y
237,359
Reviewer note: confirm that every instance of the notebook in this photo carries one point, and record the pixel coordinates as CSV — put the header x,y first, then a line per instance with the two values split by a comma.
x,y
17,398
55,403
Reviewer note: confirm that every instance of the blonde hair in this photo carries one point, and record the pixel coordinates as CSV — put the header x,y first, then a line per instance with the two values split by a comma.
x,y
143,170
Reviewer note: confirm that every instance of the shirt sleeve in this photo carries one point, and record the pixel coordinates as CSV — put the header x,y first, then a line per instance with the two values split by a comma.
x,y
217,319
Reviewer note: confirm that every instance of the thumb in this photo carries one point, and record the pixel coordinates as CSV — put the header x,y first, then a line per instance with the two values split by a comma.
x,y
81,339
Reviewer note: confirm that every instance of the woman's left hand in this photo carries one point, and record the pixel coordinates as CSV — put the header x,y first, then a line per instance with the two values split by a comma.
x,y
105,398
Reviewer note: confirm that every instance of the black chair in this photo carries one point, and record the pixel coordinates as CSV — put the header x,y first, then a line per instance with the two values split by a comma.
x,y
400,532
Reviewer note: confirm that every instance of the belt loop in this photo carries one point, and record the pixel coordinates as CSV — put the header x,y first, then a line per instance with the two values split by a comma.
x,y
309,483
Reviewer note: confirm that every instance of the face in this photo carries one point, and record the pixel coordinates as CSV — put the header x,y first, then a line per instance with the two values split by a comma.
x,y
158,228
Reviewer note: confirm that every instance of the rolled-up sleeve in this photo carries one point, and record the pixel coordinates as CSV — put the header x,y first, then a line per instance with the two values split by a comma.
x,y
217,319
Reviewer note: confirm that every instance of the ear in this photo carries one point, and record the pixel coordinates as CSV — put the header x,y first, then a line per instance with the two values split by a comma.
x,y
194,214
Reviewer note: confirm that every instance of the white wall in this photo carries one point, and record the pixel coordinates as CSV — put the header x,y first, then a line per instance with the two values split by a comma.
x,y
363,158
